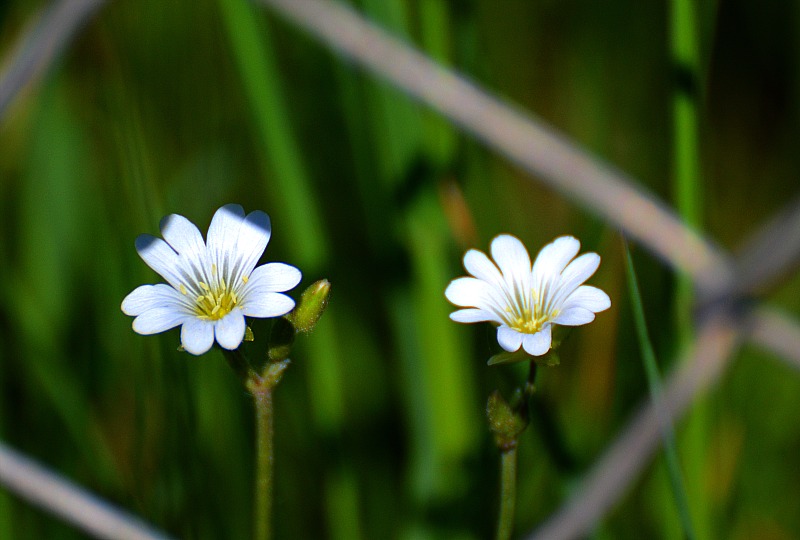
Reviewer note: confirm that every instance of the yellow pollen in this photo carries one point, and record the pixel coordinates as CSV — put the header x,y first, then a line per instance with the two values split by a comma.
x,y
216,303
182,289
527,322
214,269
245,279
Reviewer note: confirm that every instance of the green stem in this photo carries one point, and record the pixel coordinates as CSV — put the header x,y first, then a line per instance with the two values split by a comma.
x,y
508,465
260,387
240,365
530,384
688,184
508,493
262,397
656,395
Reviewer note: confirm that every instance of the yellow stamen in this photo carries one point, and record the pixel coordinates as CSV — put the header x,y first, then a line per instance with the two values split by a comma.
x,y
245,279
528,322
182,289
217,302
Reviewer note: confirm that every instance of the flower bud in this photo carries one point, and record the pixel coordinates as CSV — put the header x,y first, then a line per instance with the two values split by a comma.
x,y
312,304
506,423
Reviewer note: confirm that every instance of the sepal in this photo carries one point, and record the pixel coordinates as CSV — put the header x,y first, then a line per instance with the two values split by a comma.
x,y
311,306
506,357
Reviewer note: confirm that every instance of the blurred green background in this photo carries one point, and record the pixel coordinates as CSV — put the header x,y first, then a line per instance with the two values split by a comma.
x,y
181,107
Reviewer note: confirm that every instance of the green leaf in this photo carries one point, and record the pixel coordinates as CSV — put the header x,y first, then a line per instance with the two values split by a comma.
x,y
506,357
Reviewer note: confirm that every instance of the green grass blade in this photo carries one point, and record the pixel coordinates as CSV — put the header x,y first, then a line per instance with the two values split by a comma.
x,y
271,121
686,173
444,426
687,186
654,385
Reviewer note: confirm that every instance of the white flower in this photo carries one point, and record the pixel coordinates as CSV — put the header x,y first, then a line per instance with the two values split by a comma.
x,y
213,285
525,302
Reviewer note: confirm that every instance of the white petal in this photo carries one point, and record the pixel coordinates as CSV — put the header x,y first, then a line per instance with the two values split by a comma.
x,y
147,297
468,292
575,316
539,343
268,304
511,257
472,315
588,297
274,277
230,330
223,232
509,339
197,335
479,265
156,320
579,271
182,235
160,257
254,235
553,257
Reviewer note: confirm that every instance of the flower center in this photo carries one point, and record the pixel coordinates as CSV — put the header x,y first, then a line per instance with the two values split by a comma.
x,y
528,322
217,302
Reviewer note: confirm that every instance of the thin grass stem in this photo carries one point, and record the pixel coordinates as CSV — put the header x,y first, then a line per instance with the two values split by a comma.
x,y
656,396
612,473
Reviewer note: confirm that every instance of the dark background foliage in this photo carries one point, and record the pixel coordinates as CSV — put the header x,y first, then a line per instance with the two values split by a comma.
x,y
183,106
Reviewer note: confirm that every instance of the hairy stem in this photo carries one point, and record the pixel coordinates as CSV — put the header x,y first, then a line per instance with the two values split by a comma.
x,y
262,399
260,387
508,493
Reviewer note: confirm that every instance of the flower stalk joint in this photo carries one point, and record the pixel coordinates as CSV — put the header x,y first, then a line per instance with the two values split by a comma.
x,y
281,339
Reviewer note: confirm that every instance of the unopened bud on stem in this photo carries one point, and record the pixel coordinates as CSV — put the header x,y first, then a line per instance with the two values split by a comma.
x,y
312,304
506,423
